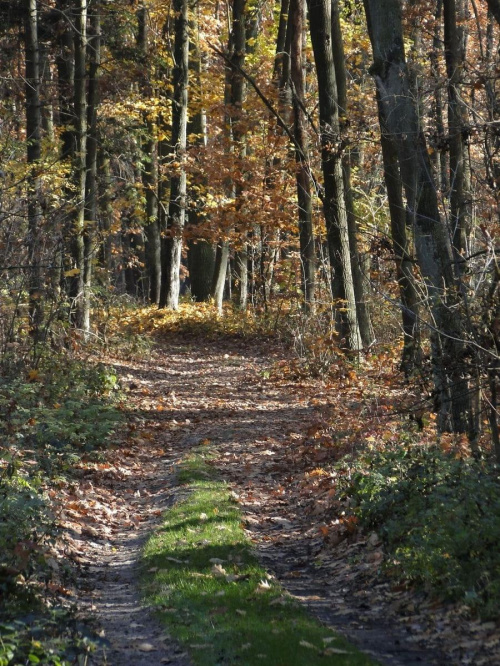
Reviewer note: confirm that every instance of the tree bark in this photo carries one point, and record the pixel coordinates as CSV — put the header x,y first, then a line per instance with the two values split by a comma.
x,y
152,226
201,252
455,48
302,176
397,107
360,282
172,243
81,293
105,213
65,62
411,353
220,270
149,172
33,155
331,158
238,45
91,194
439,157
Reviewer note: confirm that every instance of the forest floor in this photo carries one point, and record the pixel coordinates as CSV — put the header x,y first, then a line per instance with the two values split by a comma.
x,y
270,439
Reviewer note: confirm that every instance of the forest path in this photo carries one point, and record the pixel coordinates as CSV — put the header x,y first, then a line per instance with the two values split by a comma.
x,y
219,394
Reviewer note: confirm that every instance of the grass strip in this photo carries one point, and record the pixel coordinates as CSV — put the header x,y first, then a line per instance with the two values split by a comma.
x,y
213,595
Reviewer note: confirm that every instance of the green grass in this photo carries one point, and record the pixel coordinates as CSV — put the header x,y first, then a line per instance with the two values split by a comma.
x,y
213,595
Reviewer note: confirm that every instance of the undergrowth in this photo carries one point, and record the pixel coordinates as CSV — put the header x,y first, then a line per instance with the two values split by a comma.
x,y
213,595
439,517
51,419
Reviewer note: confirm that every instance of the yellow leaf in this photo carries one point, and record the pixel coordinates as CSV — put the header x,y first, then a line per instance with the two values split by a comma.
x,y
72,272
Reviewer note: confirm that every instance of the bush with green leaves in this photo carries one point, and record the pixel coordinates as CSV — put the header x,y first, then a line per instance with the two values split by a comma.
x,y
51,417
439,517
25,525
59,410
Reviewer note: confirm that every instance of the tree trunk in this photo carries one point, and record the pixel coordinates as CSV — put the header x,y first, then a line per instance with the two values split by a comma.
x,y
238,42
172,243
152,227
360,281
302,175
411,354
201,252
397,106
81,293
331,159
65,62
220,270
149,171
91,194
455,47
105,213
440,155
33,155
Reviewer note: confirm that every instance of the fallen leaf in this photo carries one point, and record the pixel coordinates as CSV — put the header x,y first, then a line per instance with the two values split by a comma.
x,y
331,650
263,586
219,571
146,647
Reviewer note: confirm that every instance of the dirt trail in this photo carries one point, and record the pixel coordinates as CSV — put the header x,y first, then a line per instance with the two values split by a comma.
x,y
215,394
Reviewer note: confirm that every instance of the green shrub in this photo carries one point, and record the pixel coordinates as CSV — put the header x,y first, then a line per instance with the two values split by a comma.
x,y
51,417
439,517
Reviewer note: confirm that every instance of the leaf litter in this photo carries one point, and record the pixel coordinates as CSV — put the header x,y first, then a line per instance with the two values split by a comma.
x,y
273,436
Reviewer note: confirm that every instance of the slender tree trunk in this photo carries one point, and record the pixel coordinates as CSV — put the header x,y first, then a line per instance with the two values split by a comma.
x,y
360,282
65,120
411,354
220,270
236,99
152,226
65,63
222,251
33,135
172,244
331,158
81,293
274,160
302,175
281,40
149,171
455,46
91,193
440,154
201,252
105,214
47,107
